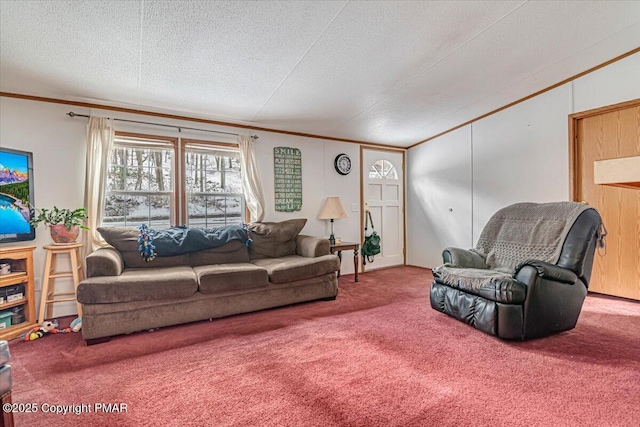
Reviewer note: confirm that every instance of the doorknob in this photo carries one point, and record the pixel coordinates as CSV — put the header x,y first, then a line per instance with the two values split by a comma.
x,y
584,202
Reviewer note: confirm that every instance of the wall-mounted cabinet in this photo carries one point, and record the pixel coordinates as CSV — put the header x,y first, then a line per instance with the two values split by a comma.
x,y
621,172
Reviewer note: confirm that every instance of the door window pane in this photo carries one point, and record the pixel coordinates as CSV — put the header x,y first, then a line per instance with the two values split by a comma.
x,y
383,169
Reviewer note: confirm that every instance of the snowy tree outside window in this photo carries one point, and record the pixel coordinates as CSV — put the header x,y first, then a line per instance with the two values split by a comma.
x,y
213,186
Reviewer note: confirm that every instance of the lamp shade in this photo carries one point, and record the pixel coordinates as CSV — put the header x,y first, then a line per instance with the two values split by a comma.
x,y
332,209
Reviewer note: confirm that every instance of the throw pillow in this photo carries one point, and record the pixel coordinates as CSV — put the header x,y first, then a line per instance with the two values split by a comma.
x,y
275,239
125,240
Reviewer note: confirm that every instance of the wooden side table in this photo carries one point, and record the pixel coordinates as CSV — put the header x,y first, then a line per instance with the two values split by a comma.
x,y
344,246
51,273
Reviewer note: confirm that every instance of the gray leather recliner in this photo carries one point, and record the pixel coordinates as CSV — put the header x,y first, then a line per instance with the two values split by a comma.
x,y
538,299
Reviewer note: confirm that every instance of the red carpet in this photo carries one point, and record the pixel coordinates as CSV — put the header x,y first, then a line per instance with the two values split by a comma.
x,y
377,356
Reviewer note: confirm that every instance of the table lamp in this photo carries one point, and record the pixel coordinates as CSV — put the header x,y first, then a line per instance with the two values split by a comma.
x,y
331,210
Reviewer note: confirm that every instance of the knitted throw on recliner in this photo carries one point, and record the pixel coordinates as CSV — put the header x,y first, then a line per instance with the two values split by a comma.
x,y
514,234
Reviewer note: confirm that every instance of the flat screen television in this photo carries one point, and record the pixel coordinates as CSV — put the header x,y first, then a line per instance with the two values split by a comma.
x,y
16,195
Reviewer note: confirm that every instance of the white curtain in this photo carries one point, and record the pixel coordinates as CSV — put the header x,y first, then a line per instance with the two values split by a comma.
x,y
100,134
251,184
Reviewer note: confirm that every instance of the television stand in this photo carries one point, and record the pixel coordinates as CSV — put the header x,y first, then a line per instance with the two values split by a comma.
x,y
21,260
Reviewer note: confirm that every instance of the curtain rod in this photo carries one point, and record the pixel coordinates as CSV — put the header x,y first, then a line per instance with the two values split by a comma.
x,y
72,114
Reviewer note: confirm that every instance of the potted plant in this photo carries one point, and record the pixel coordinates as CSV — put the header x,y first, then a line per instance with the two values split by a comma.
x,y
64,224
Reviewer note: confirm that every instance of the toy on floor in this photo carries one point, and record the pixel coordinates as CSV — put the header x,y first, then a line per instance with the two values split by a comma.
x,y
47,327
76,325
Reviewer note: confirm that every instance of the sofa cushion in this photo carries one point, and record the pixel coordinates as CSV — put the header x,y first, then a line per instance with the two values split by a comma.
x,y
295,267
506,290
234,251
274,239
230,277
139,284
125,240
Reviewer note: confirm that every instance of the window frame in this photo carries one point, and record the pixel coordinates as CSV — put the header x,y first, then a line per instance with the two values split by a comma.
x,y
148,140
178,195
183,142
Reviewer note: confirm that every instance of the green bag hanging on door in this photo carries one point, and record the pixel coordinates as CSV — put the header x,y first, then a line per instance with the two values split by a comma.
x,y
371,245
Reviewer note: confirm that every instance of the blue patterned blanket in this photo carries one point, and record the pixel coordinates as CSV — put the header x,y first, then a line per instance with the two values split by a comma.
x,y
181,240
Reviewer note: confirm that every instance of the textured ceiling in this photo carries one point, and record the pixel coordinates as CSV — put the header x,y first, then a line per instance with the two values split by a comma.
x,y
385,71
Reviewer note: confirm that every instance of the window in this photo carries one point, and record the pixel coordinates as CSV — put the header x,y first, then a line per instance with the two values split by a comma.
x,y
142,183
383,169
213,186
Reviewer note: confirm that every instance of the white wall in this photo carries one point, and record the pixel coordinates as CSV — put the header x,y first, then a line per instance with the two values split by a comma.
x,y
518,154
439,197
319,180
615,83
58,145
521,155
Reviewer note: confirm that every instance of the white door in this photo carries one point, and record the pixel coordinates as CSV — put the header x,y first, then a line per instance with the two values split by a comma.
x,y
383,182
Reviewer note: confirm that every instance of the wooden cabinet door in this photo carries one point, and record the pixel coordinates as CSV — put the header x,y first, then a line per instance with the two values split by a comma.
x,y
612,133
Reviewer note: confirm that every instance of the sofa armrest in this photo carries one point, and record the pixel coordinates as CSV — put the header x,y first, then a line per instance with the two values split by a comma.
x,y
104,262
312,247
548,271
6,381
462,258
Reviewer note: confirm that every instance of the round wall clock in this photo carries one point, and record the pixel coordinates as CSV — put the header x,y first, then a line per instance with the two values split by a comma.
x,y
342,164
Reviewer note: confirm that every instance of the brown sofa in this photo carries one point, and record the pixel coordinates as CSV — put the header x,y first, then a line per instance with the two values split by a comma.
x,y
122,293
